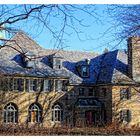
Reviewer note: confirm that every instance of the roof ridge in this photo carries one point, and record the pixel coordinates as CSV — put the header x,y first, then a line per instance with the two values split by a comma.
x,y
59,50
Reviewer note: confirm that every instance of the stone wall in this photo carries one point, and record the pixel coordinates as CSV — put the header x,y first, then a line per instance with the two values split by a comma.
x,y
132,104
134,58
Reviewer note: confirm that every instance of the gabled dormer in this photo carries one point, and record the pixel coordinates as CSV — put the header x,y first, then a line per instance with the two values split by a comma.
x,y
56,61
83,68
29,59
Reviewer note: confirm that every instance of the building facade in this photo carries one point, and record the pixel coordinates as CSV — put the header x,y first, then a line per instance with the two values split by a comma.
x,y
56,88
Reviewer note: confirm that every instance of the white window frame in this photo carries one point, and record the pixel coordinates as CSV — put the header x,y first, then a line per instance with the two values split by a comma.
x,y
15,84
46,85
57,113
59,66
10,113
31,85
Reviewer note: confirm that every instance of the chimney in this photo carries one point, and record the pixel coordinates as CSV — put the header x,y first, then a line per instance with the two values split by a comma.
x,y
133,44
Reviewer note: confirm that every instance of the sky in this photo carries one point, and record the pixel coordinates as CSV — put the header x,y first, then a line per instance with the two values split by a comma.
x,y
97,41
95,38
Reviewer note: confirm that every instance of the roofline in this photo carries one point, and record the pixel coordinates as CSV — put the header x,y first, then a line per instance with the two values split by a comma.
x,y
29,76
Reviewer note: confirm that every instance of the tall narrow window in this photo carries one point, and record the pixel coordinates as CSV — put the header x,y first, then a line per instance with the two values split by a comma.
x,y
48,85
125,93
18,84
35,113
10,113
85,71
15,84
91,92
57,113
125,116
81,91
57,63
61,85
103,92
31,85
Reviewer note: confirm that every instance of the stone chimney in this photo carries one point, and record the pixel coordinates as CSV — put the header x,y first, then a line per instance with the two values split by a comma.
x,y
134,58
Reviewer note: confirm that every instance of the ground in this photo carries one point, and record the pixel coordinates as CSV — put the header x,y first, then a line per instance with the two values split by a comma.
x,y
103,131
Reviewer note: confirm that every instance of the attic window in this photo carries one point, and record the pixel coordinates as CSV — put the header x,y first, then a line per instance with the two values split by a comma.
x,y
85,71
58,64
125,93
30,60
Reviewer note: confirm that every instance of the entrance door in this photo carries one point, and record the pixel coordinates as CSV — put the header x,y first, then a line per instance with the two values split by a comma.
x,y
92,118
89,118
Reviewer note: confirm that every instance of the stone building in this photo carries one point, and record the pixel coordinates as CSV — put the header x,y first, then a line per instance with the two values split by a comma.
x,y
54,88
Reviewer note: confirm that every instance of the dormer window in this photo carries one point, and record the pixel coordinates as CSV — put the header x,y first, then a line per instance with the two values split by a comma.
x,y
83,68
58,64
30,60
55,61
85,71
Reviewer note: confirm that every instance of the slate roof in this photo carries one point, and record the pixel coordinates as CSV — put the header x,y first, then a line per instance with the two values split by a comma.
x,y
105,68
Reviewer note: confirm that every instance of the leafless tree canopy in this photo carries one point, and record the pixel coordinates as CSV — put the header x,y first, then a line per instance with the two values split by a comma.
x,y
126,19
59,20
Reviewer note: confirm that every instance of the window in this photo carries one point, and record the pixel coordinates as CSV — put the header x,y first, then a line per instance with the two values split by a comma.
x,y
48,85
18,84
4,84
125,116
85,71
12,84
57,113
91,92
10,113
125,93
35,113
31,85
81,91
103,92
61,85
57,63
15,84
71,95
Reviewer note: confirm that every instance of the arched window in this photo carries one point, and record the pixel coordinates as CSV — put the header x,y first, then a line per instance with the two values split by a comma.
x,y
35,113
10,113
57,113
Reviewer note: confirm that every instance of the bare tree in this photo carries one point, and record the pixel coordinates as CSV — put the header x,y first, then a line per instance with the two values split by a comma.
x,y
125,18
60,20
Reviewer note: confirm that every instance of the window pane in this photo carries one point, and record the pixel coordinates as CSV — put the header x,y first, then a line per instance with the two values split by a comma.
x,y
124,93
85,71
10,114
47,85
81,91
58,63
27,87
90,92
57,113
35,113
21,84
